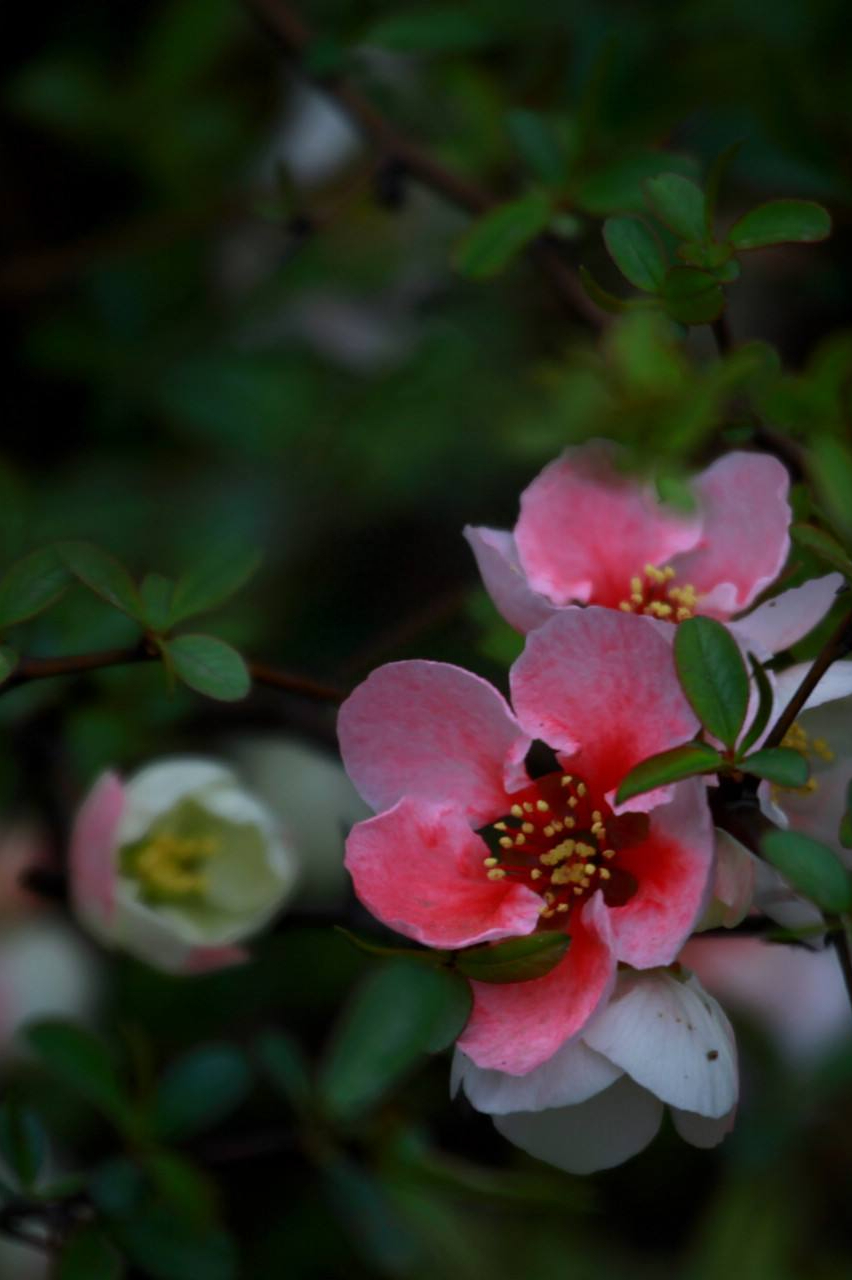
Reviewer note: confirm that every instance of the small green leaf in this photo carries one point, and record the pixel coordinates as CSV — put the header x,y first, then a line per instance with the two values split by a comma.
x,y
213,581
88,1255
727,272
23,1142
423,955
400,1012
209,666
765,700
692,296
285,1064
822,545
669,766
156,592
636,251
539,146
498,236
709,256
811,867
200,1090
845,832
516,960
713,676
781,222
31,585
830,465
104,575
601,297
84,1063
678,203
781,765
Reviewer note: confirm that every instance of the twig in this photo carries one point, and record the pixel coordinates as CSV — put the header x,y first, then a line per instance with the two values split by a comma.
x,y
843,947
837,644
293,34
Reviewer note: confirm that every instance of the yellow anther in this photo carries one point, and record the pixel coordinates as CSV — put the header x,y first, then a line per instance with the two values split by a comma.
x,y
520,838
572,800
597,816
597,829
500,826
822,749
584,850
566,780
548,914
590,868
581,788
585,883
578,891
682,614
637,597
557,825
528,828
490,862
636,587
496,873
570,823
505,842
609,853
557,855
656,575
549,831
542,806
169,866
527,807
563,906
536,874
668,573
605,873
516,811
626,606
567,874
550,897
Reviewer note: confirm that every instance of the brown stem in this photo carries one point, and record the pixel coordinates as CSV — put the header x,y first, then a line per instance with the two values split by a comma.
x,y
293,34
722,333
837,644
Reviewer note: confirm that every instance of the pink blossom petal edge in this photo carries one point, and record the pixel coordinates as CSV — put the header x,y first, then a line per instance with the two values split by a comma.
x,y
781,622
419,869
515,1027
602,684
505,581
432,731
93,846
674,872
585,529
745,539
208,959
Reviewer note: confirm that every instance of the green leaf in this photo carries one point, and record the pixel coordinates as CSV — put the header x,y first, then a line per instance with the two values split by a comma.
x,y
811,867
88,1255
83,1062
727,272
212,581
422,955
31,585
539,146
669,766
765,700
782,765
678,203
711,257
845,832
636,251
498,236
209,666
183,1185
116,1186
9,659
156,592
23,1142
713,676
436,29
692,296
165,1247
606,301
822,545
379,1231
285,1064
830,465
104,575
200,1090
516,960
400,1012
781,222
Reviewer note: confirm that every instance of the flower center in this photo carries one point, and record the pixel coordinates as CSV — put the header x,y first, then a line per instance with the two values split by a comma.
x,y
798,739
655,594
168,868
563,843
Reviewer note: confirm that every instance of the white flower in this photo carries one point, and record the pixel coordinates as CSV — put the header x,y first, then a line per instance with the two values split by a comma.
x,y
46,971
600,1099
177,865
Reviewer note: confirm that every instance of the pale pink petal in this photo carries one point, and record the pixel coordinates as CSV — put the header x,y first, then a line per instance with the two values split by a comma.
x,y
598,1134
419,869
574,1074
672,1038
781,622
603,684
673,868
505,581
703,1131
92,855
585,529
835,684
744,540
733,884
516,1026
434,731
207,959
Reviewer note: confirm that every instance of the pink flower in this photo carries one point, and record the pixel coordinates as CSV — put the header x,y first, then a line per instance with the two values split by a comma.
x,y
589,535
599,1100
467,849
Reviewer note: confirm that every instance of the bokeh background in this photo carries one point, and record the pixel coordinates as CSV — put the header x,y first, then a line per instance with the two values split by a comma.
x,y
228,319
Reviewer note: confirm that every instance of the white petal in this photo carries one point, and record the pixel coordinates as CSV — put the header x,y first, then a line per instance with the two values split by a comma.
x,y
154,937
46,971
505,580
774,897
598,1134
702,1131
836,683
158,787
572,1075
780,622
672,1038
733,887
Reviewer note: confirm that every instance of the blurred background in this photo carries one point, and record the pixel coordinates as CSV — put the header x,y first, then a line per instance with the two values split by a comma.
x,y
230,317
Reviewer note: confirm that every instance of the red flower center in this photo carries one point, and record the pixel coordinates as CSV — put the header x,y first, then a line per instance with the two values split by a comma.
x,y
564,843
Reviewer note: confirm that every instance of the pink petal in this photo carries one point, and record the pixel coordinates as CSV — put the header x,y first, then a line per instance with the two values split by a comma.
x,y
434,731
207,959
585,529
505,581
744,541
673,869
419,869
782,621
602,684
91,858
517,1026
